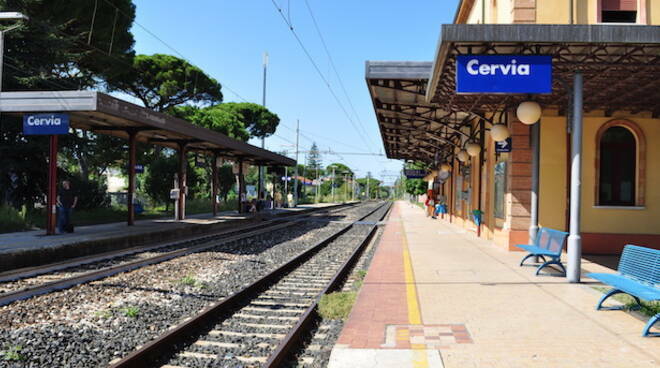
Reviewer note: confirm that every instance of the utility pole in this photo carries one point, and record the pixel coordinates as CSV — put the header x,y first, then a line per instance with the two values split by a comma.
x,y
345,187
295,185
353,188
263,139
332,186
318,183
368,179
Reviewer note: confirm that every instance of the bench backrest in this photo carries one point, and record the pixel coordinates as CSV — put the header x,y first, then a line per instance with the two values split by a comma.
x,y
640,263
550,239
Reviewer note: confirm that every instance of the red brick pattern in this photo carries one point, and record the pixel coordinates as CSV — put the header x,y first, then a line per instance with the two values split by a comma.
x,y
382,298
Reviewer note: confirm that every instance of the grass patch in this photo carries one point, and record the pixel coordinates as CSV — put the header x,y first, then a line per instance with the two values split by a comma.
x,y
337,305
103,314
191,281
13,353
359,279
648,309
131,311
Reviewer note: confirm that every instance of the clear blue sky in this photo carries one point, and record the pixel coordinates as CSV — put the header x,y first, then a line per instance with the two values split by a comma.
x,y
228,38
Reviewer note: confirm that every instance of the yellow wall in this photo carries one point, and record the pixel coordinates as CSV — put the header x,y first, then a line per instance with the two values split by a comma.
x,y
552,203
552,11
552,175
653,12
633,221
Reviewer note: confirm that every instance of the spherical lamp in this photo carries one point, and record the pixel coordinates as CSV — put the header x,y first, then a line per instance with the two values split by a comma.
x,y
529,112
445,167
473,149
463,156
499,132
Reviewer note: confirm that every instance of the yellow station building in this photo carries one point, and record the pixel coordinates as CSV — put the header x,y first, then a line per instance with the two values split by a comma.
x,y
614,46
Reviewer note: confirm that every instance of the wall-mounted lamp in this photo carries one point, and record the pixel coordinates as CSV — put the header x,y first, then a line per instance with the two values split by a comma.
x,y
529,112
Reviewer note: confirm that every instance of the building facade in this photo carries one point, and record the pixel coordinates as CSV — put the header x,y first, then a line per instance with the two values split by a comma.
x,y
620,181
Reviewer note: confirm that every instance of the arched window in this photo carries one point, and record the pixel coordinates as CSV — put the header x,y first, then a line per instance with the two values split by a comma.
x,y
618,151
621,150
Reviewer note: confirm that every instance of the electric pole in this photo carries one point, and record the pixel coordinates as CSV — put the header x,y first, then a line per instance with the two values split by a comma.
x,y
263,139
295,185
332,184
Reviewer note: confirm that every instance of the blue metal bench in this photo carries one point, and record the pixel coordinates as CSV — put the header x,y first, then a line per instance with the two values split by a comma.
x,y
638,276
548,243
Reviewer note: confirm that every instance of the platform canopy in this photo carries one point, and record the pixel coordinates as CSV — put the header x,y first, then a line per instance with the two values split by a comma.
x,y
421,116
102,113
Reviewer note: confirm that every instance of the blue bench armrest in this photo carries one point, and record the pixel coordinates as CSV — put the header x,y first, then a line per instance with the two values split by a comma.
x,y
628,285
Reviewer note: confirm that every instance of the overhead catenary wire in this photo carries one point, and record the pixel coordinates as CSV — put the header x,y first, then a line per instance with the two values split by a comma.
x,y
319,72
334,68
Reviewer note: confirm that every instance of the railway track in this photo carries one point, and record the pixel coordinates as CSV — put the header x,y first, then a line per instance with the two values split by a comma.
x,y
266,322
27,283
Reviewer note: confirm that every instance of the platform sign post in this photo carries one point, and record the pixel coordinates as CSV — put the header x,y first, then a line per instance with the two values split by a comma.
x,y
51,125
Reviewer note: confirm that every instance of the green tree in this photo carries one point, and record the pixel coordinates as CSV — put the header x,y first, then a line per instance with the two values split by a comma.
x,y
162,82
160,179
258,120
314,159
373,184
214,118
226,181
415,186
58,49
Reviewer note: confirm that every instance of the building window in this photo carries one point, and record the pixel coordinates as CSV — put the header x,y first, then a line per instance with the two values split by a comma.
x,y
500,189
620,176
618,11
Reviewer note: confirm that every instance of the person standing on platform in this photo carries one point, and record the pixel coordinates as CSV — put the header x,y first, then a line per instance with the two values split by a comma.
x,y
67,199
430,204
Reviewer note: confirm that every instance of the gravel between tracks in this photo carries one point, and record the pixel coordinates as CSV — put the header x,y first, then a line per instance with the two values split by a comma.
x,y
91,324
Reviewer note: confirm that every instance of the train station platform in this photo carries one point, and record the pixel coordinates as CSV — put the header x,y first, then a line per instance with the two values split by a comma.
x,y
33,248
436,296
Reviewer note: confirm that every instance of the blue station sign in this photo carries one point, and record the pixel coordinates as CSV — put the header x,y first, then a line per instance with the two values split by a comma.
x,y
504,74
503,146
414,174
45,124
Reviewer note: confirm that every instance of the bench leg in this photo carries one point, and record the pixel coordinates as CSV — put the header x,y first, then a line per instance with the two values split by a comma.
x,y
599,306
647,329
551,262
530,256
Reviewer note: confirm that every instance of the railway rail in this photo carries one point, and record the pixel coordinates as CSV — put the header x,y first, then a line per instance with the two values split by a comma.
x,y
266,322
27,283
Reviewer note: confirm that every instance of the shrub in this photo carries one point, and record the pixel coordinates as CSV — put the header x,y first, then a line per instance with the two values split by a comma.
x,y
11,220
92,194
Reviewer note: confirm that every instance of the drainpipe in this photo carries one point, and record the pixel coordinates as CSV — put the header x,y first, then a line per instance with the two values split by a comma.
x,y
571,16
574,239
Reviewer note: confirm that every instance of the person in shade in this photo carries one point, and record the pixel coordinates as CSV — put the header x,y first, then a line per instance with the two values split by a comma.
x,y
67,199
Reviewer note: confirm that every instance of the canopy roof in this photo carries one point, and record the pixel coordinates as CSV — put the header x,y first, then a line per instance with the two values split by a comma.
x,y
420,114
102,113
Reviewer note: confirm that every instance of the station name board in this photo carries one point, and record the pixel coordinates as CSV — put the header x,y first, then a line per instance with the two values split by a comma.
x,y
45,124
414,174
504,74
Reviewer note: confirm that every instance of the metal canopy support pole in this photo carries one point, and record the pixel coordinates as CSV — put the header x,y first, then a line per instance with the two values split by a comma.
x,y
132,135
295,183
534,207
181,203
214,183
574,239
52,187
